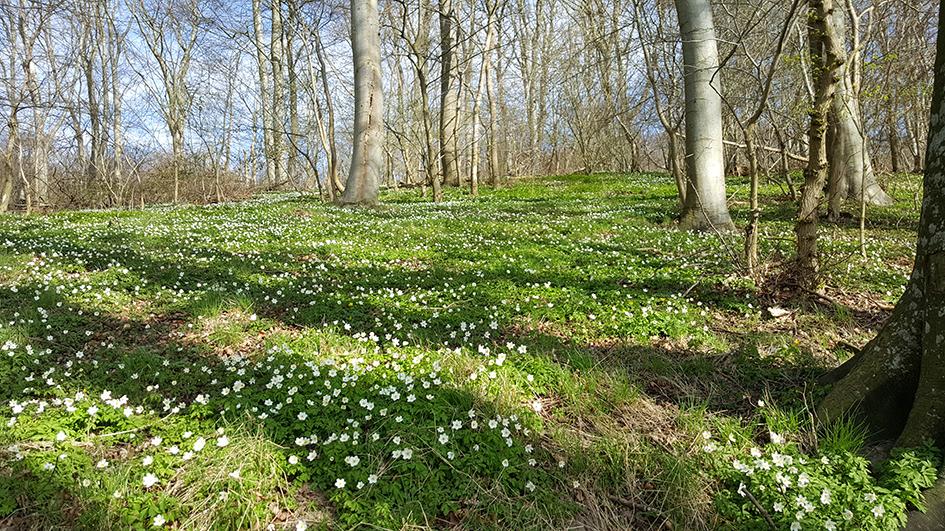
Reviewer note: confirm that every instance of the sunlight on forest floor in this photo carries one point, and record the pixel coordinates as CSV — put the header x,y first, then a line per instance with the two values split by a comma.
x,y
550,355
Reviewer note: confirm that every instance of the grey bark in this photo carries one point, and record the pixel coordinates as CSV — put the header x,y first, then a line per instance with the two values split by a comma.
x,y
705,206
491,140
849,160
484,79
278,96
850,165
367,160
292,75
262,64
449,97
903,368
327,128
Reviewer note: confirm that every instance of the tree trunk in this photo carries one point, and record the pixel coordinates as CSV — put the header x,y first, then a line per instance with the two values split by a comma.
x,y
177,149
826,61
849,163
22,188
96,142
117,139
449,99
418,44
784,168
892,133
493,110
367,160
505,115
544,17
705,206
849,160
328,137
484,74
278,96
263,66
462,130
679,177
295,131
912,130
6,190
108,47
751,231
903,367
9,171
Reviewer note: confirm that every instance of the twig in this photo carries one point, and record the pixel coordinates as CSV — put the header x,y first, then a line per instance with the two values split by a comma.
x,y
121,432
758,506
822,296
630,503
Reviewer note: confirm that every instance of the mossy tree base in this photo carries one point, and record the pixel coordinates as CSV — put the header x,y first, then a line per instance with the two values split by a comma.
x,y
897,383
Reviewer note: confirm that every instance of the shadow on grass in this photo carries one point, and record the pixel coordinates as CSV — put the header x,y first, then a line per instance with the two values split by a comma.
x,y
149,364
351,294
339,299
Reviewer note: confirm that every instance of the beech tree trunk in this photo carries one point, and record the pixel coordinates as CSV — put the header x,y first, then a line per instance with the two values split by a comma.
x,y
705,206
493,152
849,160
892,132
96,136
278,95
449,98
295,133
7,171
898,381
672,155
850,165
264,95
911,129
367,160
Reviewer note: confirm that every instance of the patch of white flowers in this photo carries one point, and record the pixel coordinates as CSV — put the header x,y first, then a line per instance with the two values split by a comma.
x,y
779,483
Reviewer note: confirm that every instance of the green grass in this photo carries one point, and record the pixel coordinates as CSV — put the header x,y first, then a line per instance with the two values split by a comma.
x,y
562,347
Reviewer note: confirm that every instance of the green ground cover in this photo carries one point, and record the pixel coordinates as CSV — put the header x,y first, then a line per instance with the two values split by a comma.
x,y
549,355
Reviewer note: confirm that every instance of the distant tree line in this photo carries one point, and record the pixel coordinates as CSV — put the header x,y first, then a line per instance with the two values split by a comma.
x,y
129,102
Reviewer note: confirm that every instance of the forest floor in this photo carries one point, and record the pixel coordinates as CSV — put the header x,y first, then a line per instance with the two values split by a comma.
x,y
550,355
